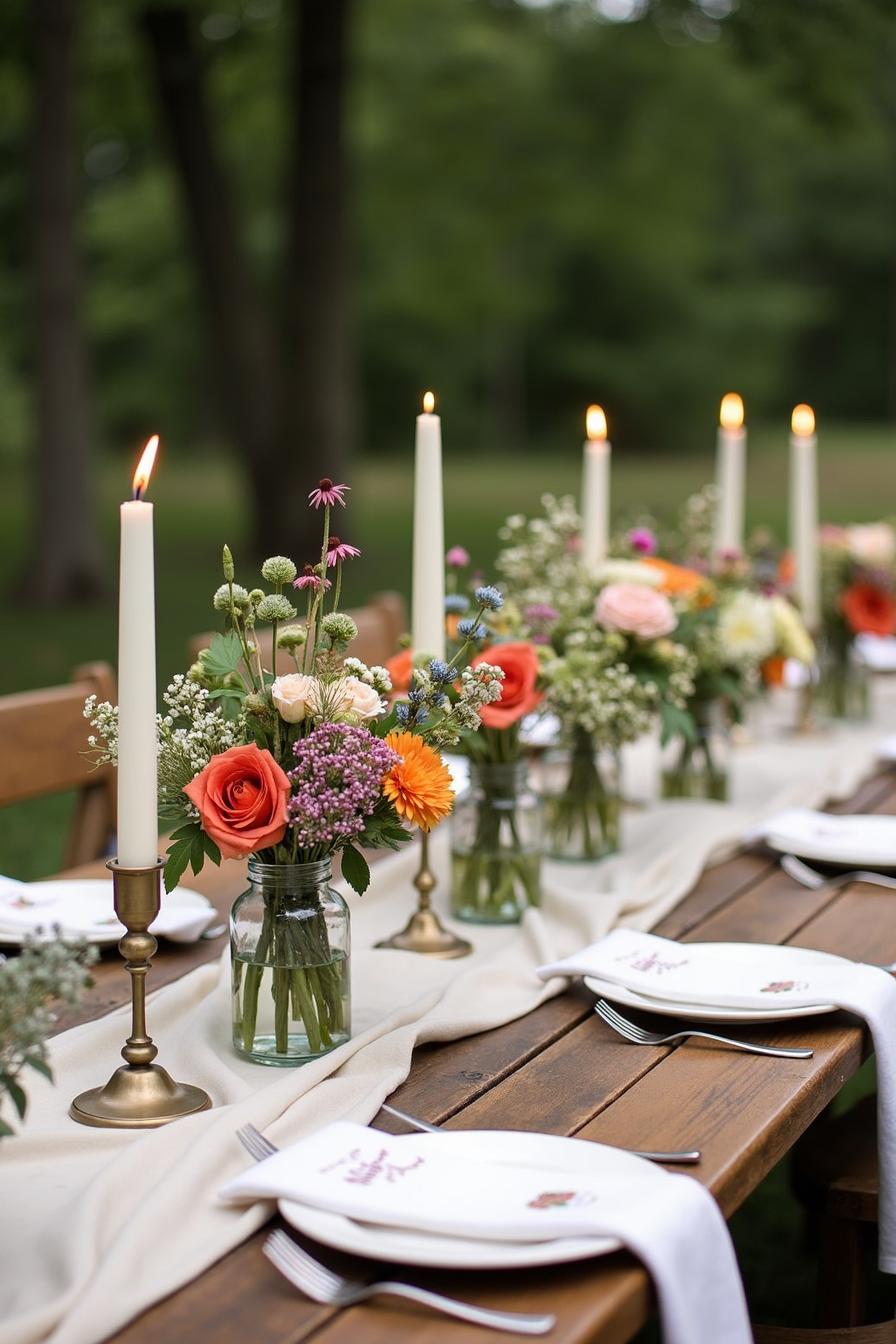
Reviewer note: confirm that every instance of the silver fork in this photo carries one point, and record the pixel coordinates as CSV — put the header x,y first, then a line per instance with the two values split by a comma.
x,y
679,1157
639,1036
322,1285
815,881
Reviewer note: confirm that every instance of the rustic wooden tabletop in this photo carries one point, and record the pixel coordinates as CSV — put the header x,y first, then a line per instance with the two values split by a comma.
x,y
560,1070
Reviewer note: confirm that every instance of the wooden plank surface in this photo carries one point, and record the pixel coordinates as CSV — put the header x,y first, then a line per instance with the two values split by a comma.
x,y
562,1070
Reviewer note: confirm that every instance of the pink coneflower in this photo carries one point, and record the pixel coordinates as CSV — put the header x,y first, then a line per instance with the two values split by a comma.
x,y
642,540
339,550
328,493
457,558
310,580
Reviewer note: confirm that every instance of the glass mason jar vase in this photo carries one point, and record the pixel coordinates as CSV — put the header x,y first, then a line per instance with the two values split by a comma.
x,y
496,844
698,767
290,945
844,682
581,787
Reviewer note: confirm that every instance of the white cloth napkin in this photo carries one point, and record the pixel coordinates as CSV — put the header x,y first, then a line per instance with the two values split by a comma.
x,y
711,976
877,652
858,838
83,909
434,1184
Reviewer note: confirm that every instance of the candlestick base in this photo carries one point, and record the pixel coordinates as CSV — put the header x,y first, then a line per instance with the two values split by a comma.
x,y
424,932
138,1098
140,1094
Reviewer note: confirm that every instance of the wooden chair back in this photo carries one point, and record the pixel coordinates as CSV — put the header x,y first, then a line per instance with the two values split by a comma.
x,y
43,735
380,626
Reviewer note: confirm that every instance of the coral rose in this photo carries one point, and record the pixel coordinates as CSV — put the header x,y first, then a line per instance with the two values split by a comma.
x,y
519,696
241,798
635,609
869,610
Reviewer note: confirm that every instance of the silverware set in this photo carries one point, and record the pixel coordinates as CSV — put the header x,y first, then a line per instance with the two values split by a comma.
x,y
639,1036
816,881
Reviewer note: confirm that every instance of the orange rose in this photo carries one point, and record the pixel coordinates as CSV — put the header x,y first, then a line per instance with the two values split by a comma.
x,y
677,580
869,610
518,694
773,671
786,569
400,666
241,796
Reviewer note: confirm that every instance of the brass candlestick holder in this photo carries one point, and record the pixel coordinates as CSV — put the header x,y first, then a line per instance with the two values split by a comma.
x,y
140,1094
424,931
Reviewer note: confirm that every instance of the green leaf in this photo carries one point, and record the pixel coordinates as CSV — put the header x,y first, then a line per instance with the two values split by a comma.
x,y
676,723
211,849
5,1130
178,857
223,656
355,869
17,1093
197,853
189,829
40,1064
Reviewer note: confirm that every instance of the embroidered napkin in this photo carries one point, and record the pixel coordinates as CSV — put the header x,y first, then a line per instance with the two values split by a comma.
x,y
438,1184
711,976
859,839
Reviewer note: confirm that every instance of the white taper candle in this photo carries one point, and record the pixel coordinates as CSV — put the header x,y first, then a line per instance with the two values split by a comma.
x,y
428,578
595,488
804,514
138,830
731,462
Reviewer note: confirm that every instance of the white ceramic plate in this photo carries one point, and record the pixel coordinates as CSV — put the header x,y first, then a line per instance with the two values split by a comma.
x,y
858,841
411,1247
83,908
771,956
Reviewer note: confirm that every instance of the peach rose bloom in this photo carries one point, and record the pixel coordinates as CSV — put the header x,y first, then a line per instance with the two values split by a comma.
x,y
360,701
635,609
519,696
241,798
295,695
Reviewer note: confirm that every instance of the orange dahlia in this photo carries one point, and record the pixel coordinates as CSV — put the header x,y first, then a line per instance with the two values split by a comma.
x,y
419,786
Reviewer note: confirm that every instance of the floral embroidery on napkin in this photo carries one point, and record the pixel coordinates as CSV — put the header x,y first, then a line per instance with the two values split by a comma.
x,y
784,986
366,1172
639,961
560,1199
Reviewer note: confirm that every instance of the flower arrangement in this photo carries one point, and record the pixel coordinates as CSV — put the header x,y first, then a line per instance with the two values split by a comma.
x,y
29,983
293,768
610,660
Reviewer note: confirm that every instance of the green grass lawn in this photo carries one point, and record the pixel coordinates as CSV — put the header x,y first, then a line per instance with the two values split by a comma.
x,y
199,506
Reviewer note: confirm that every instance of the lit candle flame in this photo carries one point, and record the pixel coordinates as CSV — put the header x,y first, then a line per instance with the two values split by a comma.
x,y
145,466
731,412
595,423
429,403
802,422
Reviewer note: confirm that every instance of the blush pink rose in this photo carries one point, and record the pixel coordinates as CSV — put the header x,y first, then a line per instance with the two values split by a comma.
x,y
635,609
241,797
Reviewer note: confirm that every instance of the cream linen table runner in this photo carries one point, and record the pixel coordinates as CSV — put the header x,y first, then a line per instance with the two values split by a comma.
x,y
100,1224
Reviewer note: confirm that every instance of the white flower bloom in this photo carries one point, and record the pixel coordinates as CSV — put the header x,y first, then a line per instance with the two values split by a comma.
x,y
746,628
628,571
359,701
794,640
872,544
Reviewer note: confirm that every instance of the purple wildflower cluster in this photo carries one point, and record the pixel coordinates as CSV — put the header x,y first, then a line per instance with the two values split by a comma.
x,y
336,783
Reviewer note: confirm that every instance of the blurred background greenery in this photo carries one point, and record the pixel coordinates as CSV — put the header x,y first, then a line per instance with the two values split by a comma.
x,y
263,227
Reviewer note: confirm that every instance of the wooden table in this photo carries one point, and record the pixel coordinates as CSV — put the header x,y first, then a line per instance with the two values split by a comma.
x,y
560,1070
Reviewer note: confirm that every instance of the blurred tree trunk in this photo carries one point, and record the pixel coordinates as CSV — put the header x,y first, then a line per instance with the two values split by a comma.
x,y
289,402
244,361
318,394
65,563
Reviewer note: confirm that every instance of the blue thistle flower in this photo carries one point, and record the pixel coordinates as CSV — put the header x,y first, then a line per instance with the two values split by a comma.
x,y
471,630
489,597
440,672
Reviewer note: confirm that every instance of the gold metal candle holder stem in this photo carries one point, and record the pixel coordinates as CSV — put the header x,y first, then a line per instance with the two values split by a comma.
x,y
140,1094
424,931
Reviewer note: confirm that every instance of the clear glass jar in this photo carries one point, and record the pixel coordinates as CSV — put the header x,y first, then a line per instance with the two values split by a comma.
x,y
581,786
844,682
290,947
697,767
496,844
